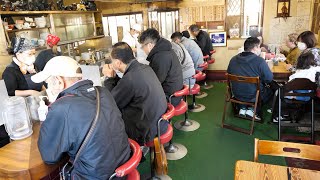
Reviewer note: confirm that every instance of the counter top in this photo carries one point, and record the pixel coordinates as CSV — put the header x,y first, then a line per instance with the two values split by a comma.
x,y
21,159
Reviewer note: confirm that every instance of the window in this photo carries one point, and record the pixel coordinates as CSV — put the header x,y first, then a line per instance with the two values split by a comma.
x,y
117,26
244,17
166,22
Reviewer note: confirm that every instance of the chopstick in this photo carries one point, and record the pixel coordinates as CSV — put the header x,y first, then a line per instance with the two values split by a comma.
x,y
289,173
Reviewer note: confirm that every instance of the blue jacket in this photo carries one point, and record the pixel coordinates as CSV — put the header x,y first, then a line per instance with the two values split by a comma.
x,y
251,65
67,123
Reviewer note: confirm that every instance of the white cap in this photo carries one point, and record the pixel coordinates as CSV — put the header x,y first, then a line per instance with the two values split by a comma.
x,y
58,66
136,27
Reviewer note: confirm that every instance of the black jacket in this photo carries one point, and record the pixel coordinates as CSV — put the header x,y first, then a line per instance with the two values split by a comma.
x,y
141,100
14,79
204,41
166,65
67,123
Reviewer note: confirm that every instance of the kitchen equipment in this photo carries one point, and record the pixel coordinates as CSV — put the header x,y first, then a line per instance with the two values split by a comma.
x,y
41,42
17,119
78,58
98,55
44,35
26,25
34,41
40,22
85,56
33,24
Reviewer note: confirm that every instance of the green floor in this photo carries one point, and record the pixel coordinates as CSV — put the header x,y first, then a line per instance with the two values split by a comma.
x,y
213,151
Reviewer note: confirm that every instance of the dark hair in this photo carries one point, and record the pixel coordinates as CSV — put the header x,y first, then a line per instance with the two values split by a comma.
x,y
150,35
194,28
123,52
186,34
250,43
308,38
305,60
176,35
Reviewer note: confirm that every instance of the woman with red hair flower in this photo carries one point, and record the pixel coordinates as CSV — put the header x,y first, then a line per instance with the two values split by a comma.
x,y
45,55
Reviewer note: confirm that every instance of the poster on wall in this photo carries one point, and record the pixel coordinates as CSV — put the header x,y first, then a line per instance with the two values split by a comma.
x,y
218,39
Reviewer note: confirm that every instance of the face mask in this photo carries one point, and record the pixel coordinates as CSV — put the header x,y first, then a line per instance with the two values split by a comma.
x,y
136,35
258,52
302,46
29,60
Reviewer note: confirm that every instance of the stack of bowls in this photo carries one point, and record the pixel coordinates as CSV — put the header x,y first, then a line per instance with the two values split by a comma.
x,y
40,22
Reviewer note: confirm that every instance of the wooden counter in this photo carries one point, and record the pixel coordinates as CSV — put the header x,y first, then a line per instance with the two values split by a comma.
x,y
21,159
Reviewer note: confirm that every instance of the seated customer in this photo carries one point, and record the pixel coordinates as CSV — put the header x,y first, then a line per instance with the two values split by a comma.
x,y
307,42
250,64
192,47
203,39
293,53
22,63
70,117
138,94
163,61
186,63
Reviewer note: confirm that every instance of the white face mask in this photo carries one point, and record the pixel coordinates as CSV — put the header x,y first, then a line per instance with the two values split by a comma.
x,y
258,52
136,35
52,92
302,46
30,60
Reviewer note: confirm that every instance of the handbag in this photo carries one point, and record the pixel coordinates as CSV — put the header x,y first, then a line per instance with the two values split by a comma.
x,y
160,161
65,173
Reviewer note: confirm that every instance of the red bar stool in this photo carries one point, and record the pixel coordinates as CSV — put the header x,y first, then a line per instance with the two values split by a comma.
x,y
208,61
213,51
199,76
163,139
204,67
186,124
129,168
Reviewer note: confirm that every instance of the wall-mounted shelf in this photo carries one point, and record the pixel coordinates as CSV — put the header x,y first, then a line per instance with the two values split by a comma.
x,y
44,12
30,29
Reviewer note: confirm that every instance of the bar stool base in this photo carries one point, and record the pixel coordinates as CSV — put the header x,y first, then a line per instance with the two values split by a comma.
x,y
201,95
176,151
163,177
208,86
189,125
197,108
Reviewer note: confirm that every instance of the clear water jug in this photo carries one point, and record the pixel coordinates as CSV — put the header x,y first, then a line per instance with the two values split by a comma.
x,y
17,118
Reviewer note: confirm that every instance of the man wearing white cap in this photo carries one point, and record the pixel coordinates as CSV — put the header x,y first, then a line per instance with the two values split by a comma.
x,y
131,38
71,116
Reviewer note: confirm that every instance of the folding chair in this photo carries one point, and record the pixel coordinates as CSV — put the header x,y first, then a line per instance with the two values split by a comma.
x,y
230,98
286,149
290,90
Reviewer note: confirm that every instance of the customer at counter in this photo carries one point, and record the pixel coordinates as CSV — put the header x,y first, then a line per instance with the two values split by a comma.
x,y
192,47
163,61
138,94
293,53
22,63
186,63
70,117
203,39
45,55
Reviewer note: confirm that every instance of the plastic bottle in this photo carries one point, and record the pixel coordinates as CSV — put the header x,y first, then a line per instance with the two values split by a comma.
x,y
43,109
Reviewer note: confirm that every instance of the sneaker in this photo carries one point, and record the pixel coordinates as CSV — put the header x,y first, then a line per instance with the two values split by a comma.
x,y
242,112
249,113
269,110
283,119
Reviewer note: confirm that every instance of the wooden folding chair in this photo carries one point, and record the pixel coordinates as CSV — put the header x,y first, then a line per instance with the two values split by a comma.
x,y
230,98
286,149
290,90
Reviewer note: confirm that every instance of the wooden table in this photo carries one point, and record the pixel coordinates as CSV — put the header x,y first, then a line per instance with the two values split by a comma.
x,y
21,159
280,73
247,170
